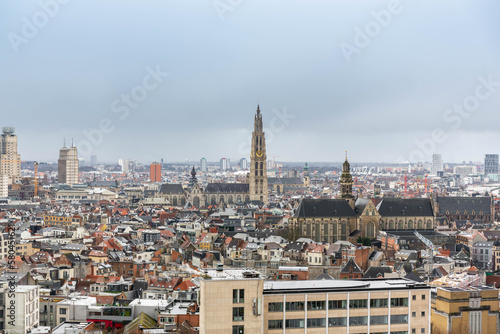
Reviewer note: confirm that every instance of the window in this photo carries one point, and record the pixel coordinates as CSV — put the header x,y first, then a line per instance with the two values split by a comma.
x,y
422,330
414,297
238,330
316,322
359,321
378,320
275,307
238,313
336,304
413,331
423,297
358,303
397,302
294,323
275,324
63,320
295,306
379,302
316,305
337,322
423,314
413,314
399,319
238,296
62,311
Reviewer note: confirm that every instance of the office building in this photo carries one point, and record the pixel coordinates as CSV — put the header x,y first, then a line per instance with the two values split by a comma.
x,y
68,165
243,163
491,164
203,165
155,172
437,164
10,160
240,301
465,310
223,165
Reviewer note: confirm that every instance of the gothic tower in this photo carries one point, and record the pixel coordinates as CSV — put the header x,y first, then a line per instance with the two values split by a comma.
x,y
307,178
346,183
258,171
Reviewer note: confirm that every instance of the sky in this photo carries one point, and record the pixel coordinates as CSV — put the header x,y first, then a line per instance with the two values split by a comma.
x,y
388,81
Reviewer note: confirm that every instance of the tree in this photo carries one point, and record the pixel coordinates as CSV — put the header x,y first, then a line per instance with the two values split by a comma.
x,y
365,241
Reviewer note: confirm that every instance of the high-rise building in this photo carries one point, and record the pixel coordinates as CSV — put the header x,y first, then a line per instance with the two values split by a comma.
x,y
93,160
68,165
10,160
258,169
437,164
155,172
203,165
25,302
129,166
243,163
223,164
490,164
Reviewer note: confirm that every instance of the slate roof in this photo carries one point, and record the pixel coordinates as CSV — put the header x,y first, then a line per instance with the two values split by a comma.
x,y
224,188
360,205
401,207
374,272
324,208
171,188
351,267
284,180
103,184
464,204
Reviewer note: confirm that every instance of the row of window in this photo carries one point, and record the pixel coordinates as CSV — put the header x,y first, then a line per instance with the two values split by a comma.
x,y
338,322
337,304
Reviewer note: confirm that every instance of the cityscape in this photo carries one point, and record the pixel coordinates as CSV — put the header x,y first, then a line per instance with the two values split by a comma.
x,y
249,167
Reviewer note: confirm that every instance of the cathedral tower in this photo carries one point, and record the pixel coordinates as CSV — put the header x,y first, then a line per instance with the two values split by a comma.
x,y
346,182
258,170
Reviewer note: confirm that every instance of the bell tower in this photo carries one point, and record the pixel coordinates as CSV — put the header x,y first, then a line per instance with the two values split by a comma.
x,y
346,182
258,170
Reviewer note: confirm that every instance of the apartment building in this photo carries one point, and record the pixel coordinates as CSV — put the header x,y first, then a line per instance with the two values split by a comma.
x,y
238,302
470,310
25,311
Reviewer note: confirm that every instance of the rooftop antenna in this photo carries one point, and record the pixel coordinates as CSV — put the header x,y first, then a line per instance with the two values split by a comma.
x,y
72,143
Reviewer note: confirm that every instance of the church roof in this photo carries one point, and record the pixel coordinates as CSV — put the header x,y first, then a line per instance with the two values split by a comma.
x,y
224,188
464,204
324,208
400,207
284,180
171,188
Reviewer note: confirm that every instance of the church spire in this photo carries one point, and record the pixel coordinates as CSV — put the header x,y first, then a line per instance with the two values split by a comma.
x,y
258,169
346,180
193,179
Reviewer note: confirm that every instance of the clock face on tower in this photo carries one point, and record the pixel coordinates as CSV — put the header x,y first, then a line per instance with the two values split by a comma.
x,y
259,153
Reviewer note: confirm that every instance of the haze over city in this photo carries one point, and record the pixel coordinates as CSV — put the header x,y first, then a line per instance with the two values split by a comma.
x,y
377,96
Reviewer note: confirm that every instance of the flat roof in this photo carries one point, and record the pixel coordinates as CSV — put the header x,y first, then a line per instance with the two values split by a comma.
x,y
276,287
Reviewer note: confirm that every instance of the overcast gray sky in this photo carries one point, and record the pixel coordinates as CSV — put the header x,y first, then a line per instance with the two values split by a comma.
x,y
372,77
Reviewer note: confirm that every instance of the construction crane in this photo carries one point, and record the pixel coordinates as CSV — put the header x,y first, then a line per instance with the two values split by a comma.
x,y
36,163
433,249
